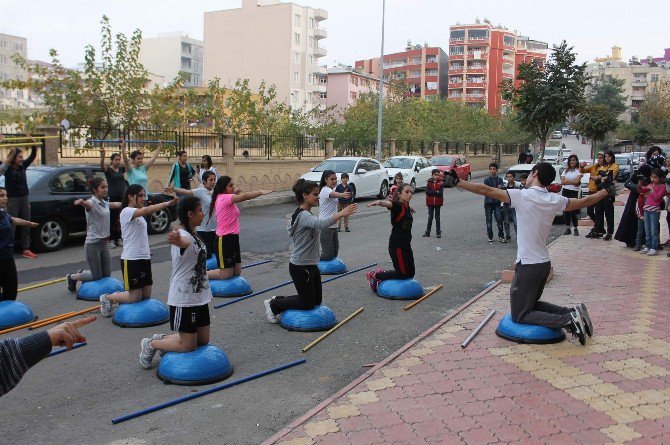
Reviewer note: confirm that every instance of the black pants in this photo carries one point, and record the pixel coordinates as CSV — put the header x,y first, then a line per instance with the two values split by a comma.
x,y
307,281
9,281
403,265
434,211
525,293
605,213
209,238
114,222
570,217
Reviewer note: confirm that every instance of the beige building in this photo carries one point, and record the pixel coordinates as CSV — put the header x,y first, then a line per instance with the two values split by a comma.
x,y
171,53
271,41
9,46
638,78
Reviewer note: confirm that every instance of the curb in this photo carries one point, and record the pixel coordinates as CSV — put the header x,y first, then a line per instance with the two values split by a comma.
x,y
367,374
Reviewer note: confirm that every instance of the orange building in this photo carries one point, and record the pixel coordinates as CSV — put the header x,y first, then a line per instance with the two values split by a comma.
x,y
481,57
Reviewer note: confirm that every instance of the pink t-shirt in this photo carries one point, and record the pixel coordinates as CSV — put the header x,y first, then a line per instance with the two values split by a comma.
x,y
227,215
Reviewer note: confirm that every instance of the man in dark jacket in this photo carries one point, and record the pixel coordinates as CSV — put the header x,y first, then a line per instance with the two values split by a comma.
x,y
18,193
434,200
492,207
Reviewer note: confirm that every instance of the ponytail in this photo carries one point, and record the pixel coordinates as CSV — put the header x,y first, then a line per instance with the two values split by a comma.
x,y
301,187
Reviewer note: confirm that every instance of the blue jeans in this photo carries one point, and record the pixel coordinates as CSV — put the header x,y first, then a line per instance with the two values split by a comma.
x,y
493,210
639,240
651,226
434,211
509,215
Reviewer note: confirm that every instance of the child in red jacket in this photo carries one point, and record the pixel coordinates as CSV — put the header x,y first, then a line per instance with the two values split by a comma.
x,y
434,200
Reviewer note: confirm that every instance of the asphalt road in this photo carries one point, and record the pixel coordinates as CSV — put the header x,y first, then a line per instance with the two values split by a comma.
x,y
71,398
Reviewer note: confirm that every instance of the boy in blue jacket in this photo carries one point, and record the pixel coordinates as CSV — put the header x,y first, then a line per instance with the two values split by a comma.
x,y
492,207
344,187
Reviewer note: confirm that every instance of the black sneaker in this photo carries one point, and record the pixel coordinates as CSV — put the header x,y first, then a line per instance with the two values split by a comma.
x,y
567,231
586,320
71,284
575,327
591,234
426,235
490,240
598,235
439,235
346,229
608,237
576,232
503,240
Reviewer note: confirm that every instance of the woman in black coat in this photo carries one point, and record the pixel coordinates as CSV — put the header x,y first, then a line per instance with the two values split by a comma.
x,y
627,230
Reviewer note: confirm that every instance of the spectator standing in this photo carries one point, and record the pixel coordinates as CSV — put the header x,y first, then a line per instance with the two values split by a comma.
x,y
605,207
206,165
654,194
592,170
571,180
136,169
117,187
492,206
342,203
16,184
509,212
434,201
182,172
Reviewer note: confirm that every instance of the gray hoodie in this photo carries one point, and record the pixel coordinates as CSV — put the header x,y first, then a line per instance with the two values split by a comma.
x,y
304,230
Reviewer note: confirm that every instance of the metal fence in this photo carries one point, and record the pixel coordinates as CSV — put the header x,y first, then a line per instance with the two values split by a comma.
x,y
269,146
358,147
24,145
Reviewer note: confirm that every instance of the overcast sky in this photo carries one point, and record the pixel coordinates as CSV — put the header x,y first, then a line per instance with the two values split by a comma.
x,y
354,26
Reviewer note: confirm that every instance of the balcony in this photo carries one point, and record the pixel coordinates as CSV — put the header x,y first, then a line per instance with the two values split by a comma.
x,y
637,96
474,97
320,51
320,88
320,33
320,14
456,96
508,60
456,56
481,84
476,70
320,69
457,39
457,70
507,75
639,82
477,55
456,85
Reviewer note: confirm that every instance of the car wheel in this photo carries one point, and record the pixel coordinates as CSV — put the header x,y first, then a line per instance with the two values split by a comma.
x,y
413,184
159,222
383,190
469,177
49,235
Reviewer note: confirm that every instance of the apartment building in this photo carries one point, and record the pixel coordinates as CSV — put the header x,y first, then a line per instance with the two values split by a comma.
x,y
267,40
345,86
422,68
172,53
9,46
481,57
638,78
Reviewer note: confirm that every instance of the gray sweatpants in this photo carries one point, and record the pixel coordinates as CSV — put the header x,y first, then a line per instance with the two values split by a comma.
x,y
20,208
97,256
330,244
525,293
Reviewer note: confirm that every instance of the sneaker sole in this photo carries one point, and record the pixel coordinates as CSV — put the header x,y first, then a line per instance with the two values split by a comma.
x,y
584,313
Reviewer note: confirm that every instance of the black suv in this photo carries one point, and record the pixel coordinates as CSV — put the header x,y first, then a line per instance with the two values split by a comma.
x,y
53,190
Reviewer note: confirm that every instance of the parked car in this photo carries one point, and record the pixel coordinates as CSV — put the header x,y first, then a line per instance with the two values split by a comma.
x,y
415,170
554,187
53,190
556,134
367,177
625,163
446,163
553,155
637,157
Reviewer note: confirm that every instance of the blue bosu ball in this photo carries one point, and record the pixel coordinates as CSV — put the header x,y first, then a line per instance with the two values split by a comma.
x,y
321,318
211,263
334,266
528,333
409,289
14,313
232,287
91,290
207,364
144,313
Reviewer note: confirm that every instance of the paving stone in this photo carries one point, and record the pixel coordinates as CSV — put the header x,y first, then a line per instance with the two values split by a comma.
x,y
620,433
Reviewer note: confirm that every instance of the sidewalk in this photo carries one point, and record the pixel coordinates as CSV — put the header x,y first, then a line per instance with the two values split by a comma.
x,y
614,390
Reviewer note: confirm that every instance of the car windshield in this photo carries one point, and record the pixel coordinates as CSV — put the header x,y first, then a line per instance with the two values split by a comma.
x,y
32,176
403,163
442,160
622,160
550,152
336,165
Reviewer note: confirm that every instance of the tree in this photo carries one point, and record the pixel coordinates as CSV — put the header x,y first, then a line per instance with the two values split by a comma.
x,y
608,90
546,97
595,121
654,114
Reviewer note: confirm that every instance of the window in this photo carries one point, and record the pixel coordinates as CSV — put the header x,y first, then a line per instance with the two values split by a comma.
x,y
454,50
353,95
323,80
508,40
372,165
313,23
186,48
654,77
312,61
310,98
322,95
478,34
73,181
296,38
431,72
431,59
297,20
312,79
416,60
296,76
295,96
415,73
457,35
186,62
296,58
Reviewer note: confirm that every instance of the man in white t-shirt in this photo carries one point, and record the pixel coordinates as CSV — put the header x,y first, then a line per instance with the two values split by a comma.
x,y
535,210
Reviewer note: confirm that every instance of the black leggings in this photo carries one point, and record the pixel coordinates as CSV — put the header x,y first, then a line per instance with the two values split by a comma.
x,y
572,215
9,282
605,212
114,222
307,281
403,264
210,239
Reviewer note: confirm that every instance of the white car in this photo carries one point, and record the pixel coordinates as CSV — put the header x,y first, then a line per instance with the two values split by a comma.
x,y
553,155
367,177
415,170
556,134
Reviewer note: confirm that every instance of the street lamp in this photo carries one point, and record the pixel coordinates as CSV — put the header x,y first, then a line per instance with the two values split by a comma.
x,y
381,90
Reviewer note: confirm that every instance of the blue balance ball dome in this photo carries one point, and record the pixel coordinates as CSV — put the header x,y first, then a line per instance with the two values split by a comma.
x,y
321,318
528,333
207,364
333,266
91,290
233,287
142,314
211,263
400,289
14,313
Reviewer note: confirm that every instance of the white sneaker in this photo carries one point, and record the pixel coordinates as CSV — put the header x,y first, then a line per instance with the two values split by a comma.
x,y
651,252
268,312
643,251
105,306
146,353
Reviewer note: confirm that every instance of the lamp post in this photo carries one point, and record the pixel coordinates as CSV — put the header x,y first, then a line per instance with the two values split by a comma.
x,y
381,90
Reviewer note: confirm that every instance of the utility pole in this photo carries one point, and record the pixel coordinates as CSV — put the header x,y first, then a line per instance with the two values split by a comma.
x,y
381,90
